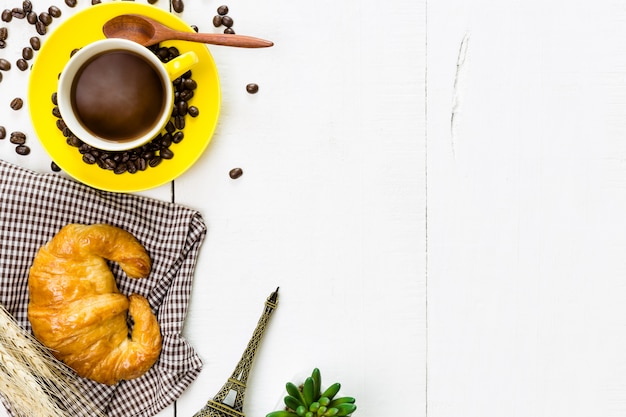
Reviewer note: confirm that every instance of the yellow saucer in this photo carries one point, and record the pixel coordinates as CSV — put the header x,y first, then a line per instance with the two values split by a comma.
x,y
85,27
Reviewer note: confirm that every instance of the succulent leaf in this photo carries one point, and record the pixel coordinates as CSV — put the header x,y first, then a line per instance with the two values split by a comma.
x,y
292,403
332,390
307,391
317,383
345,409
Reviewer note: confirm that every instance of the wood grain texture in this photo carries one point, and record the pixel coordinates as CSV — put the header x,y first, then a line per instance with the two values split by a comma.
x,y
525,209
331,206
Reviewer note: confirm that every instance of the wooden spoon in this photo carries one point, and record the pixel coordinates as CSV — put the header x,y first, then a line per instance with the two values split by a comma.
x,y
146,31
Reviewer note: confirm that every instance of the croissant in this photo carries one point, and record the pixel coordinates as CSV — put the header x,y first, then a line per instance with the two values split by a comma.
x,y
77,311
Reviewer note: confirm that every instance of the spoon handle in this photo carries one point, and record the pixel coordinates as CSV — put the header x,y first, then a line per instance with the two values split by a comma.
x,y
224,39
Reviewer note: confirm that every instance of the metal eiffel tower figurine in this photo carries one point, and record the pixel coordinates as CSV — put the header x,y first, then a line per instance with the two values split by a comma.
x,y
228,402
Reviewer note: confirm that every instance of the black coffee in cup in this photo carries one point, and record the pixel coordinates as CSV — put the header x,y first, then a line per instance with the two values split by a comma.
x,y
118,95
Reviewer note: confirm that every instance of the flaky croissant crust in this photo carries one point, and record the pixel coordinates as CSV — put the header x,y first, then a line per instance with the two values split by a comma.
x,y
76,309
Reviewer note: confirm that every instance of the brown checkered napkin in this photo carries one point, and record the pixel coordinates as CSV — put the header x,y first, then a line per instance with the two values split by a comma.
x,y
35,206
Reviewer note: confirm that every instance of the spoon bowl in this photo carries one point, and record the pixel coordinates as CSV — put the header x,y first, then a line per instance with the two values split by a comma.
x,y
146,31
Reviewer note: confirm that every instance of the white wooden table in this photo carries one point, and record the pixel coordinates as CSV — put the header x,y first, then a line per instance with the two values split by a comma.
x,y
332,203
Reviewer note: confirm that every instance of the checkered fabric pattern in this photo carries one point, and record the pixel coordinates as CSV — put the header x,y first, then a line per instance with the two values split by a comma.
x,y
34,207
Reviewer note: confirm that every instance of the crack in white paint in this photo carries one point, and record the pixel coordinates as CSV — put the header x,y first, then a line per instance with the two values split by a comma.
x,y
459,85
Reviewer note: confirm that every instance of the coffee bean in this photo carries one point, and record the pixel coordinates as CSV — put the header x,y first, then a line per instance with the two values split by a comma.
x,y
217,20
229,31
4,64
35,43
56,112
178,6
179,122
166,153
27,53
190,84
152,1
228,21
27,6
17,103
45,18
41,28
154,161
18,139
193,111
7,15
120,168
54,167
54,11
54,98
195,28
22,65
222,10
22,150
18,13
3,132
181,107
89,159
3,44
252,88
178,137
70,3
17,136
142,165
32,18
94,2
4,33
235,173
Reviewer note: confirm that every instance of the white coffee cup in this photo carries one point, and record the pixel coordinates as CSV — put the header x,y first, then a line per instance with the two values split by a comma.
x,y
115,94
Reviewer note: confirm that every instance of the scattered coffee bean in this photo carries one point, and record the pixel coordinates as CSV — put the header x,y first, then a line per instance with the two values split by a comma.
x,y
55,112
94,2
32,18
3,44
17,103
195,28
70,3
35,43
27,6
4,33
222,10
228,21
27,53
18,139
54,11
7,15
54,167
41,28
252,88
152,1
235,173
22,65
0,77
178,6
18,13
54,98
217,20
229,31
4,64
22,150
45,18
3,132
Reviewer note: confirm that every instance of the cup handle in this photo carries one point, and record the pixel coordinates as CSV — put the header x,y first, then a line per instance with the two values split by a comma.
x,y
181,64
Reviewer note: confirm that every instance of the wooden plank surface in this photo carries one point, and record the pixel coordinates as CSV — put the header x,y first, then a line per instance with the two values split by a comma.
x,y
331,206
526,202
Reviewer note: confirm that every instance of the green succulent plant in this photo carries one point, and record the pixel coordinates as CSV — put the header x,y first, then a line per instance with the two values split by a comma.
x,y
308,400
